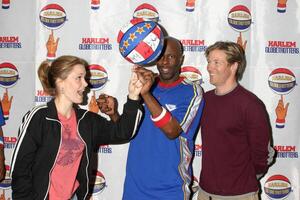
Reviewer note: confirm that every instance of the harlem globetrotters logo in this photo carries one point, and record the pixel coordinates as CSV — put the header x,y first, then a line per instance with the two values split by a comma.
x,y
146,11
277,187
239,18
97,183
9,75
97,77
282,81
53,16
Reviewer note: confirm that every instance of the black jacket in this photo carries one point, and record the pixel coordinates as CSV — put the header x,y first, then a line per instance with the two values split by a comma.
x,y
39,142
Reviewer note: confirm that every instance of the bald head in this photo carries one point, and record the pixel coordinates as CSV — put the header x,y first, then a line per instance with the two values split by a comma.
x,y
175,43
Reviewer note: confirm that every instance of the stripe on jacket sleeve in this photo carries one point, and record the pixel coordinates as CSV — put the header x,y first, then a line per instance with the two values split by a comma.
x,y
192,108
138,118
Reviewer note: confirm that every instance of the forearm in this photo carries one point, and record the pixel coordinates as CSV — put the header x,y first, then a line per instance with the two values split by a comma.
x,y
171,128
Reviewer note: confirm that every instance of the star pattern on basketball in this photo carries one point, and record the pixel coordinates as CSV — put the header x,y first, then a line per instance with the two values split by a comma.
x,y
140,30
148,26
132,37
126,43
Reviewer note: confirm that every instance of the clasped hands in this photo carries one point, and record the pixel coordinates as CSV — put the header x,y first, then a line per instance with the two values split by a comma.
x,y
140,83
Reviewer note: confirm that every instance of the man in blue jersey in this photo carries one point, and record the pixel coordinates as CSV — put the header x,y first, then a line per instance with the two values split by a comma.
x,y
159,157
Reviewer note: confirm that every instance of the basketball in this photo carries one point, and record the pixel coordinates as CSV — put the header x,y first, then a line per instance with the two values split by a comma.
x,y
140,41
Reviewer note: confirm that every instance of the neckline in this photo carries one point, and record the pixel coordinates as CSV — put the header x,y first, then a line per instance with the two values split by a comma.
x,y
232,89
168,85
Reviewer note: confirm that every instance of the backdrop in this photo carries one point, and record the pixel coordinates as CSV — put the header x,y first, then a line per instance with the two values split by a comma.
x,y
32,31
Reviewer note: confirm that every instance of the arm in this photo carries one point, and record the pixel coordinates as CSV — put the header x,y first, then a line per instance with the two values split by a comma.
x,y
22,160
122,127
259,135
170,126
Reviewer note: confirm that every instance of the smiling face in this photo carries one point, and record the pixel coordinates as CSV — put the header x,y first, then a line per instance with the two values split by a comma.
x,y
169,64
72,88
221,73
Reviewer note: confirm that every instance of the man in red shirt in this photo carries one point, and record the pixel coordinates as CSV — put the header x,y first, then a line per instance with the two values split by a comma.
x,y
235,130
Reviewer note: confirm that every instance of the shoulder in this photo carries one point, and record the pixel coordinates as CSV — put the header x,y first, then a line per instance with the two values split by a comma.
x,y
250,99
192,87
35,112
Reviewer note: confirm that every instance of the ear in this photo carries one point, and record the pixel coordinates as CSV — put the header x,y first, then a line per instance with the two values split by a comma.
x,y
181,60
234,67
59,83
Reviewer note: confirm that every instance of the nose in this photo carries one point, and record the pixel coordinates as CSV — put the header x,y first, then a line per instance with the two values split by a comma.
x,y
84,82
163,60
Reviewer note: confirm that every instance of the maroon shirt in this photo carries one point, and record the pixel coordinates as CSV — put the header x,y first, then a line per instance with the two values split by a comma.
x,y
235,133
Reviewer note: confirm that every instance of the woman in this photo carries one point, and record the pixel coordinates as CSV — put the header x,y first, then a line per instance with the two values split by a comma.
x,y
51,158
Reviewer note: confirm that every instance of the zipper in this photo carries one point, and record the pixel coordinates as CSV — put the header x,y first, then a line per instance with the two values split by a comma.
x,y
87,157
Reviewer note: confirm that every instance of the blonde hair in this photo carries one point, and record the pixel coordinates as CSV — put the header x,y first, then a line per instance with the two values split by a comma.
x,y
234,53
61,67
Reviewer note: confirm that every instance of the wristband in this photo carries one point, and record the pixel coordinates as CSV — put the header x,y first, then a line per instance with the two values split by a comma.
x,y
280,123
5,4
6,115
281,8
160,116
189,7
164,120
51,56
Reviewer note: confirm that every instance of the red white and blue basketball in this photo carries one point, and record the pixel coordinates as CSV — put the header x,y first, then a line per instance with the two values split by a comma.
x,y
97,77
191,73
277,187
53,16
146,11
9,75
100,183
282,81
239,18
140,41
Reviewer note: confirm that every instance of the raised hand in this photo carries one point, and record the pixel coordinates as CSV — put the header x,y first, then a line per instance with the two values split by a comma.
x,y
109,106
146,77
281,112
135,85
93,106
240,42
6,104
51,46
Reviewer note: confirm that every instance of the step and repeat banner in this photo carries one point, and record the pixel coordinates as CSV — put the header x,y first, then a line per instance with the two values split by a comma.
x,y
33,31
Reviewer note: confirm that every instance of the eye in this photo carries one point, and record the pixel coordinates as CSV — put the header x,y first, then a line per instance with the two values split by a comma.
x,y
171,56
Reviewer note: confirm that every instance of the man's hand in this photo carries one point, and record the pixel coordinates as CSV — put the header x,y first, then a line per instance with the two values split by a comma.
x,y
93,106
145,79
51,46
6,104
109,106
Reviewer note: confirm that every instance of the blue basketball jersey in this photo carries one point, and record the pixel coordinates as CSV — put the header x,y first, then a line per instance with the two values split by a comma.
x,y
158,167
